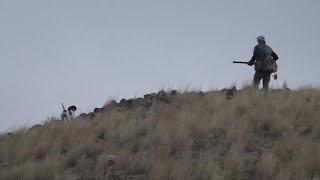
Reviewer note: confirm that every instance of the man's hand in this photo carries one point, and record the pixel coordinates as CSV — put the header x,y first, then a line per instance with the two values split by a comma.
x,y
250,63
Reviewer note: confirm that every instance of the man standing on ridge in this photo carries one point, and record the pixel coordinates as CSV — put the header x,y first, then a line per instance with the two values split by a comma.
x,y
264,60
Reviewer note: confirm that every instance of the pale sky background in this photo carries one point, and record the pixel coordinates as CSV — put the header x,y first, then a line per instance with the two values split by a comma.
x,y
83,52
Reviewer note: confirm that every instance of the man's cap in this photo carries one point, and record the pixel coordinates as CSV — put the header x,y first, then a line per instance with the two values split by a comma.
x,y
261,38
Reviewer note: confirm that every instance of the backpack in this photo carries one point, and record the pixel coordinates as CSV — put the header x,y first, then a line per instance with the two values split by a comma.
x,y
267,65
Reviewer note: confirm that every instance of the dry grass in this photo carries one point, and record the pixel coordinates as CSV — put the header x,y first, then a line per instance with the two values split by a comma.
x,y
255,135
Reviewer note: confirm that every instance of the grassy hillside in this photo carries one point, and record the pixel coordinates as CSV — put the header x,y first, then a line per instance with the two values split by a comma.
x,y
176,136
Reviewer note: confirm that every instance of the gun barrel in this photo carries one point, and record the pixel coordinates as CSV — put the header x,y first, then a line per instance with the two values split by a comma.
x,y
240,62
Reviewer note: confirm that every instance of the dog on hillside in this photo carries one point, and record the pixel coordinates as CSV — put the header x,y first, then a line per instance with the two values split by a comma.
x,y
68,114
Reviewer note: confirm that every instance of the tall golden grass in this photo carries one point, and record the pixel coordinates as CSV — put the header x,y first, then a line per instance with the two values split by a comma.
x,y
255,135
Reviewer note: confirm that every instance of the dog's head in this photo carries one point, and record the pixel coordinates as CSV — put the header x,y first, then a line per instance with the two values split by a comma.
x,y
72,108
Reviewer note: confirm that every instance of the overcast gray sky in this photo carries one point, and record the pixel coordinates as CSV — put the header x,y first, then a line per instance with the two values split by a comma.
x,y
83,52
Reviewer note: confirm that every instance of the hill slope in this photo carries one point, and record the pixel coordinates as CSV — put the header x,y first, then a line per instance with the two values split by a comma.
x,y
176,136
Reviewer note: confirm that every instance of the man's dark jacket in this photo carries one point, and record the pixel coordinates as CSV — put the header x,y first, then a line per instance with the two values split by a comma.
x,y
261,51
